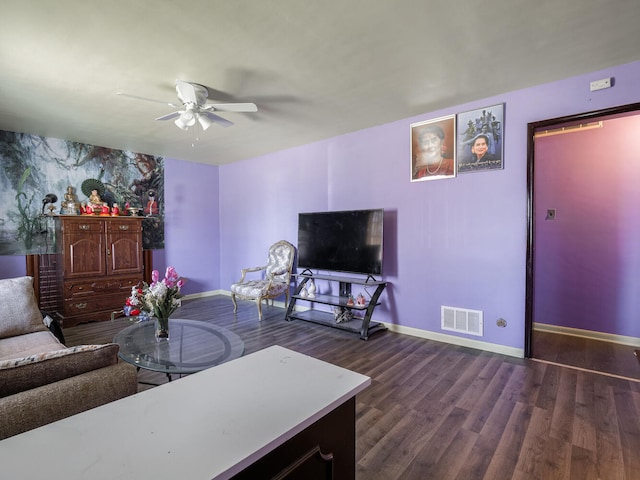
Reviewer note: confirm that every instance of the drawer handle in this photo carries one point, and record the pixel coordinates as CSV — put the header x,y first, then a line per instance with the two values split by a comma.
x,y
124,227
84,226
80,306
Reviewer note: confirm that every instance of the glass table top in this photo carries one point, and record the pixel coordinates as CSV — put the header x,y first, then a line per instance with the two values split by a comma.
x,y
193,346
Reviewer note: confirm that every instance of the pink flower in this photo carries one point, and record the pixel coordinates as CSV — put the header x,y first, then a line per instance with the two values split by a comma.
x,y
154,276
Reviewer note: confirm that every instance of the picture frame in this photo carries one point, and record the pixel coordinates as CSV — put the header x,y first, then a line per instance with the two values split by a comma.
x,y
433,149
480,140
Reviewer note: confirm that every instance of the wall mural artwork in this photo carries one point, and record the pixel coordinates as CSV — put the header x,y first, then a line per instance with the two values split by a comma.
x,y
40,176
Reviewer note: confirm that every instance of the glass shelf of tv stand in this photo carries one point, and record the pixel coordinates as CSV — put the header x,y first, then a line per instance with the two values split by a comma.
x,y
360,325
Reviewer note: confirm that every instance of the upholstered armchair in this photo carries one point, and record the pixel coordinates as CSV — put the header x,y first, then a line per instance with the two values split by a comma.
x,y
274,282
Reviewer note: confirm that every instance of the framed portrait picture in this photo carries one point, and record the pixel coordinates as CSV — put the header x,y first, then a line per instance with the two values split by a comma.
x,y
480,139
433,145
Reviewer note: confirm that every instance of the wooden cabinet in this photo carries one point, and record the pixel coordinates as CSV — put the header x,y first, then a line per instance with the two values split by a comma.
x,y
101,261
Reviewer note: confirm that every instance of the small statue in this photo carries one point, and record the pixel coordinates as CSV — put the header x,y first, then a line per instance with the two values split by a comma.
x,y
311,289
360,300
152,206
104,210
94,199
69,203
88,209
115,211
350,302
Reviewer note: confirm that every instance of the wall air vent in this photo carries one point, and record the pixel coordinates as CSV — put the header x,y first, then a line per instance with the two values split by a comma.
x,y
461,320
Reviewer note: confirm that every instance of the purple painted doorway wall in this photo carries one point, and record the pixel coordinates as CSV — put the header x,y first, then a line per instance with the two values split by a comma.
x,y
587,259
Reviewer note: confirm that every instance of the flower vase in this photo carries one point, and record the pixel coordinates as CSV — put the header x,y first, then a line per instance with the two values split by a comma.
x,y
162,329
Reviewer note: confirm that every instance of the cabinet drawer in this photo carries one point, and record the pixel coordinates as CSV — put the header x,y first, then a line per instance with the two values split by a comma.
x,y
89,288
124,226
93,303
82,225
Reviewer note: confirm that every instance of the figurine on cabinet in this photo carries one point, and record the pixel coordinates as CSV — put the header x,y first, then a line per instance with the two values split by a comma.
x,y
115,211
152,205
68,205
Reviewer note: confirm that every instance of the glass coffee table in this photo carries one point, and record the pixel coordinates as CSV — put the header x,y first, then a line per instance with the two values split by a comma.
x,y
192,346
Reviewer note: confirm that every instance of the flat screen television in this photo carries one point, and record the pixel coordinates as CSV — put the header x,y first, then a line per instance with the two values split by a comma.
x,y
347,241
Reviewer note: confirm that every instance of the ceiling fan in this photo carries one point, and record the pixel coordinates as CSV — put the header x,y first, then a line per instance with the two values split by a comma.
x,y
195,109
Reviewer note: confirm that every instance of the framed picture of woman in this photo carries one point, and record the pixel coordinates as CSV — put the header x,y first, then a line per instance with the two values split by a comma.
x,y
480,139
433,149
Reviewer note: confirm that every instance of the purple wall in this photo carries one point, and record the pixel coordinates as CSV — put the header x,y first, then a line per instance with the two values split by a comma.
x,y
587,262
458,242
192,225
12,266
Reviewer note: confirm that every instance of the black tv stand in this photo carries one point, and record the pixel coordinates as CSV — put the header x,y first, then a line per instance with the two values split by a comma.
x,y
360,325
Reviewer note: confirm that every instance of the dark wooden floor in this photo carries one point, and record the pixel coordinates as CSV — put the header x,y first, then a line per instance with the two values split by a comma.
x,y
586,353
439,411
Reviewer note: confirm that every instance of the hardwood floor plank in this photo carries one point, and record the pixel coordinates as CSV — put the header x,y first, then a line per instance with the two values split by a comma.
x,y
629,438
609,455
583,465
584,428
509,446
534,441
564,406
443,411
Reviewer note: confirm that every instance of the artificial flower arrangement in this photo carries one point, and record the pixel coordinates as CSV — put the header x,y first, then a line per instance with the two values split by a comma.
x,y
159,300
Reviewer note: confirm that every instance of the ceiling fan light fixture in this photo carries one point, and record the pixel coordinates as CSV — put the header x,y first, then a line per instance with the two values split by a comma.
x,y
186,120
204,122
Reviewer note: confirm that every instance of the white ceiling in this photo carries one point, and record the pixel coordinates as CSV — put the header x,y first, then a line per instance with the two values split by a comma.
x,y
315,68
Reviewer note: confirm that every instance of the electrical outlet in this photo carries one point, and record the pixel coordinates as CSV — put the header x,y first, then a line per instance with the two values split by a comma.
x,y
600,84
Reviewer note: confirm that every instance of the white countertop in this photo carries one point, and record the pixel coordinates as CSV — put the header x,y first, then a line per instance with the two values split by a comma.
x,y
211,424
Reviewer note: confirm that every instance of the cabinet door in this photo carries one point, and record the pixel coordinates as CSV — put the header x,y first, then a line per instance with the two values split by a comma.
x,y
124,252
83,243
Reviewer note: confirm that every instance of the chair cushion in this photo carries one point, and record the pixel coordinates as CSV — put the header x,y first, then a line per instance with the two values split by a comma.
x,y
21,374
28,344
19,313
258,288
280,261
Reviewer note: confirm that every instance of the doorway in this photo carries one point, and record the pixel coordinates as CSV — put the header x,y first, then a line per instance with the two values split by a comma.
x,y
583,272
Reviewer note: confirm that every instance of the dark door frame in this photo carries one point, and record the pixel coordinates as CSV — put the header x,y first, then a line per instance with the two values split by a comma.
x,y
531,129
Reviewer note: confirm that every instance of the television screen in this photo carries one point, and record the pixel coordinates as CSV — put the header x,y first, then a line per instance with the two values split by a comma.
x,y
347,241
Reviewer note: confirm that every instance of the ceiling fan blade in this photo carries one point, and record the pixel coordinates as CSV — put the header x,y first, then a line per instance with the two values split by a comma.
x,y
169,116
191,92
136,97
223,122
232,107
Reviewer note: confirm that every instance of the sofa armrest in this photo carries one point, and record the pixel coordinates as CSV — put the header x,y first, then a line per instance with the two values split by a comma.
x,y
42,405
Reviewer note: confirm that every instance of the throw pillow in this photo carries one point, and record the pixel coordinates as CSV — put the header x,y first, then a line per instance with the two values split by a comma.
x,y
21,374
19,313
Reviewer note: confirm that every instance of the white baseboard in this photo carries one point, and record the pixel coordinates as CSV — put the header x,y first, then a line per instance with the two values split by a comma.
x,y
227,293
210,293
577,332
463,342
414,332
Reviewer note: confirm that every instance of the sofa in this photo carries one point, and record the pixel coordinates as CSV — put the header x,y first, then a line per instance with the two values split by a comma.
x,y
41,380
